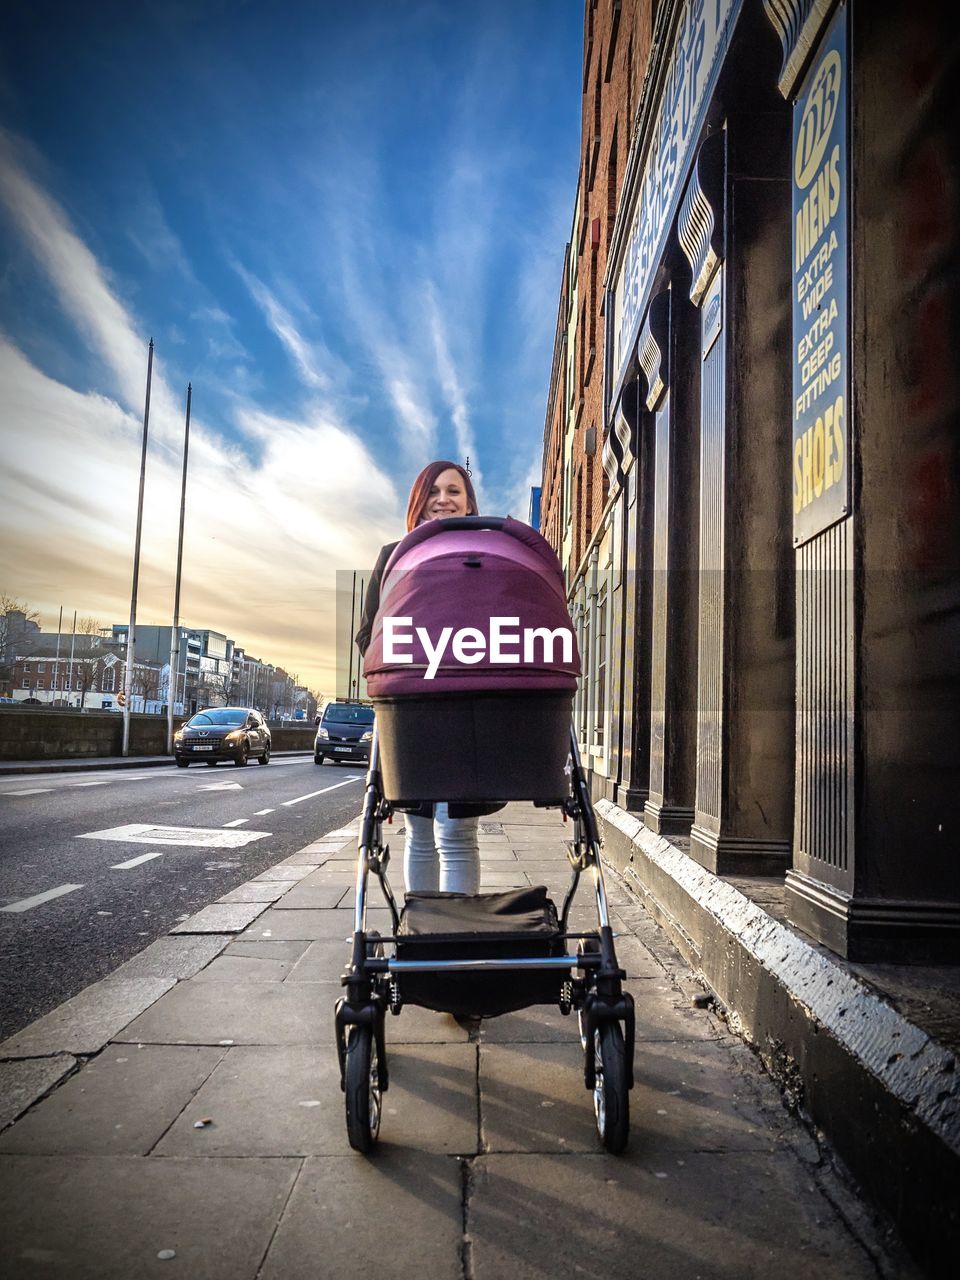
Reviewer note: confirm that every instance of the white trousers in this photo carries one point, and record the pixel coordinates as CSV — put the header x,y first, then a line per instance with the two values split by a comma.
x,y
441,853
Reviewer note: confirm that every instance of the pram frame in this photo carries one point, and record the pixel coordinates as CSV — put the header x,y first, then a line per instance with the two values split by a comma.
x,y
373,980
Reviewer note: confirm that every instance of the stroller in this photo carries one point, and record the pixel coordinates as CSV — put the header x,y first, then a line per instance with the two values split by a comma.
x,y
478,732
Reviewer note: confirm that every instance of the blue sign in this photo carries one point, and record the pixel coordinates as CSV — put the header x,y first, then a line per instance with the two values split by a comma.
x,y
700,39
821,357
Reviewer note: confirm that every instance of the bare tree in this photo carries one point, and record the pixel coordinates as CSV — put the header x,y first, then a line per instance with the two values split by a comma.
x,y
89,626
12,630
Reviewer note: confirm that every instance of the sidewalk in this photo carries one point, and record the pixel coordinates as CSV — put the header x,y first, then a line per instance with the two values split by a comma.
x,y
183,1117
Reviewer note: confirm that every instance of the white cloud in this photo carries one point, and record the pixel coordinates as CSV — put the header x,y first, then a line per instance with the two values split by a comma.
x,y
307,357
263,540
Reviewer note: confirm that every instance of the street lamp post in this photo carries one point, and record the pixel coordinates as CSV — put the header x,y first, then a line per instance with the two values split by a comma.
x,y
175,633
128,673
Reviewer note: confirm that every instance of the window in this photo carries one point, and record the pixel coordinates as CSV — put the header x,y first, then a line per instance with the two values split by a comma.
x,y
26,666
41,666
26,684
601,670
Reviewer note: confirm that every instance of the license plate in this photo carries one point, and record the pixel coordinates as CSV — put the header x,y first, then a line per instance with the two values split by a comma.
x,y
344,751
204,748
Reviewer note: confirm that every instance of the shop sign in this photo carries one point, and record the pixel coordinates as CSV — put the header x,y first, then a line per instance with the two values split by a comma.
x,y
699,45
821,193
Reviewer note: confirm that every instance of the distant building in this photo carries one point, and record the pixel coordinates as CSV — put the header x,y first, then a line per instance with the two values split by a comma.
x,y
533,514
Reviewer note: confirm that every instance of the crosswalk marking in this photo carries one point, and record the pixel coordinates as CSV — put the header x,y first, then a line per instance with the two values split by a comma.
x,y
135,862
26,904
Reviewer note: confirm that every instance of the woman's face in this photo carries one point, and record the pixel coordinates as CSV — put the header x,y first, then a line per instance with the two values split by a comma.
x,y
447,497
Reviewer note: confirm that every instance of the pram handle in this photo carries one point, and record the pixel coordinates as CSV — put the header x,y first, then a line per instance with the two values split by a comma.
x,y
472,522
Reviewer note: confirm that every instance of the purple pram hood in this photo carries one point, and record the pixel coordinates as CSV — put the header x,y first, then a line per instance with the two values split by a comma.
x,y
456,574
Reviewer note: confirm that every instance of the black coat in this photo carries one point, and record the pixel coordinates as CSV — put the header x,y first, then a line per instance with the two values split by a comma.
x,y
371,603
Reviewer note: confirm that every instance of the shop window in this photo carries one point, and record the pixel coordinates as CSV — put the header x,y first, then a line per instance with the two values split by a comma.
x,y
600,666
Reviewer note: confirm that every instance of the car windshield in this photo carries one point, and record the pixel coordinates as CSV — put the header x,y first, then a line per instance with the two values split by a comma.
x,y
342,713
219,715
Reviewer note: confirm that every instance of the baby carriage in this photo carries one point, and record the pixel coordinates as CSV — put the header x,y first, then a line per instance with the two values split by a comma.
x,y
482,724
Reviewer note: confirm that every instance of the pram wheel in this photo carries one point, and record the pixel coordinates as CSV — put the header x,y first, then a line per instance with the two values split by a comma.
x,y
586,946
362,1088
611,1097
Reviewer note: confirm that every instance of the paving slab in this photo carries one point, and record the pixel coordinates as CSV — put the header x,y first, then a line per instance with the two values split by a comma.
x,y
688,1096
23,1081
303,925
84,1024
245,969
222,918
331,875
289,951
268,891
204,1012
395,1215
323,961
658,1018
305,857
285,871
121,1103
738,1216
108,1217
313,896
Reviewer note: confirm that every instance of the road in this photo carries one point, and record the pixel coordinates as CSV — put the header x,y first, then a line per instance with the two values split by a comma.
x,y
93,868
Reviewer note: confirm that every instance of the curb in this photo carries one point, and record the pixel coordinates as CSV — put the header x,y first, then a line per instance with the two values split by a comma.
x,y
37,1058
883,1091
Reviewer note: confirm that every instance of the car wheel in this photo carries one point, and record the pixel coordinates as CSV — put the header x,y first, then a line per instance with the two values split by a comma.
x,y
243,755
318,758
182,764
265,758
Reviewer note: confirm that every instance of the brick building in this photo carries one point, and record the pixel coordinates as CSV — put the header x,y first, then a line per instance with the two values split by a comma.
x,y
750,473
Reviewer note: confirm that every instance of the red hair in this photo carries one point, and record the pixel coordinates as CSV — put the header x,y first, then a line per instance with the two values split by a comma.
x,y
420,491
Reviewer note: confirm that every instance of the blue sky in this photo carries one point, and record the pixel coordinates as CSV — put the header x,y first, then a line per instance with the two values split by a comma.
x,y
343,223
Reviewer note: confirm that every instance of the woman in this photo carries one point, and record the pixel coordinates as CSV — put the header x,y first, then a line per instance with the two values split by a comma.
x,y
442,852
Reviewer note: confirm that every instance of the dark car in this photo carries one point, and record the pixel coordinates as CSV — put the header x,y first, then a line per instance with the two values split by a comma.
x,y
344,732
223,733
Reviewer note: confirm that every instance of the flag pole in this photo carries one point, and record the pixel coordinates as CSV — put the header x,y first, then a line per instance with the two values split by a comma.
x,y
128,673
175,632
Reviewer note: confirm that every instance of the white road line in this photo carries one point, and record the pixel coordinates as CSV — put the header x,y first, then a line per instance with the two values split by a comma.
x,y
25,904
237,822
30,791
103,782
300,799
135,862
261,812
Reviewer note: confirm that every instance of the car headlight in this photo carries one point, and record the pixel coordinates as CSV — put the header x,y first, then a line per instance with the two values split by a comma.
x,y
178,736
322,733
366,737
232,737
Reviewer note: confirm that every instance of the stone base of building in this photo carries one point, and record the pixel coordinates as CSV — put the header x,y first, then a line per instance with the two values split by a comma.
x,y
726,855
880,1087
865,929
667,819
632,799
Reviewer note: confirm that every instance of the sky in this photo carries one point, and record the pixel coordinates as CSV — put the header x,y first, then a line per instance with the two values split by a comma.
x,y
343,224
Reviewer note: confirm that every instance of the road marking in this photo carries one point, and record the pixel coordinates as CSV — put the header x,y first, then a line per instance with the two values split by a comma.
x,y
202,837
220,786
30,791
261,812
300,799
103,782
237,822
135,862
26,904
